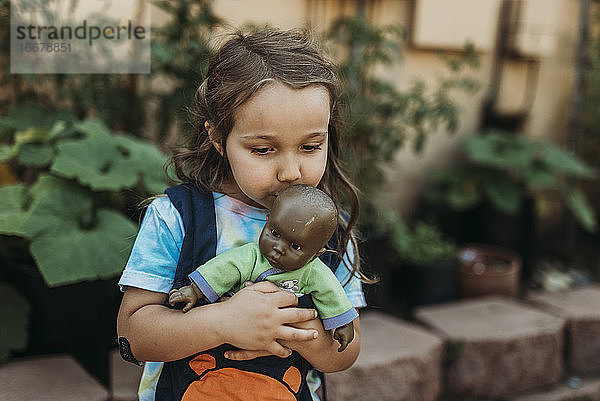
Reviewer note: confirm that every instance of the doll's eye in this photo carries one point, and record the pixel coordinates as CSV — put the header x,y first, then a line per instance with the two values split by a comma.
x,y
274,233
295,247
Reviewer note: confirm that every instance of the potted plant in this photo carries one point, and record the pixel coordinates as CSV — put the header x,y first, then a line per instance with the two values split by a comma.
x,y
491,194
426,268
488,270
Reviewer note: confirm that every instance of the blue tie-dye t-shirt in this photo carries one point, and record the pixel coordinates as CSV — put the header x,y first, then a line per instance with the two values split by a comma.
x,y
153,260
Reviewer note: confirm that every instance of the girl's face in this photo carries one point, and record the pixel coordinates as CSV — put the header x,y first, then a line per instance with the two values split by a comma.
x,y
279,139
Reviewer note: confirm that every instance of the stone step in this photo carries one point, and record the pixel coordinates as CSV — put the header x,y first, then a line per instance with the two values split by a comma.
x,y
587,389
581,309
496,346
48,378
124,378
398,361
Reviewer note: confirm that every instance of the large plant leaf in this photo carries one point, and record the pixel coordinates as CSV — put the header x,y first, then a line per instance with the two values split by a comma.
x,y
11,209
35,154
501,151
93,129
68,241
149,161
560,161
505,195
95,162
579,205
14,320
56,204
73,254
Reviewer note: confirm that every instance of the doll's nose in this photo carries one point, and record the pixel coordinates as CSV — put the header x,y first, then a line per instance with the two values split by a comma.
x,y
278,248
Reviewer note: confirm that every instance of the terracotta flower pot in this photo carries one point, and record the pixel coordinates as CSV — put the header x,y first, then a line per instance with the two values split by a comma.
x,y
488,270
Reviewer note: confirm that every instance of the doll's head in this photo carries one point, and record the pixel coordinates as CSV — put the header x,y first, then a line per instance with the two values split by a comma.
x,y
302,220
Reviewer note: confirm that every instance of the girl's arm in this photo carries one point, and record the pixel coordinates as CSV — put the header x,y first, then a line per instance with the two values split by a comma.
x,y
253,319
322,353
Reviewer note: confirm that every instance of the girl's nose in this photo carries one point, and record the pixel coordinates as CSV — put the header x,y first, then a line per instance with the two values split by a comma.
x,y
289,170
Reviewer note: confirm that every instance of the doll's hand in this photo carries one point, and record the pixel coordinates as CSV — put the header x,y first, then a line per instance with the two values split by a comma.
x,y
184,294
344,335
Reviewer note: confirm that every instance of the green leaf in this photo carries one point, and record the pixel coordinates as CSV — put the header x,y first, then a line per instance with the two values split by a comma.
x,y
72,254
463,197
579,205
70,242
562,161
7,152
12,198
93,129
96,162
31,135
504,195
149,161
14,320
35,155
56,205
501,151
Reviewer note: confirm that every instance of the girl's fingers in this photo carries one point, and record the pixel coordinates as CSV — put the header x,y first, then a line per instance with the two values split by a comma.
x,y
279,350
297,315
245,355
282,298
288,333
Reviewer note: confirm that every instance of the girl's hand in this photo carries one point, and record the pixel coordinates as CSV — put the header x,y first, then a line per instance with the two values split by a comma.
x,y
258,315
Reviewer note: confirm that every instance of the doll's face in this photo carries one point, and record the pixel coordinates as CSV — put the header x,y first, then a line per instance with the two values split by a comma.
x,y
292,237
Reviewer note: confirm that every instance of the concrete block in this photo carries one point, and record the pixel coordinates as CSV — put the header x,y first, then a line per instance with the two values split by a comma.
x,y
496,346
48,378
581,309
398,361
589,390
124,378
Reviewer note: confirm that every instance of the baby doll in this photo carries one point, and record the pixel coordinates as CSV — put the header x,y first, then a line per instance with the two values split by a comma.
x,y
300,223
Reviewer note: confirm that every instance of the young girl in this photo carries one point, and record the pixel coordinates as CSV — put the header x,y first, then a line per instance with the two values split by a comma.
x,y
269,119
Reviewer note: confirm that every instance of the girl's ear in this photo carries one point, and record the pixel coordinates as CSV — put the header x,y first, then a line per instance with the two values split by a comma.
x,y
212,135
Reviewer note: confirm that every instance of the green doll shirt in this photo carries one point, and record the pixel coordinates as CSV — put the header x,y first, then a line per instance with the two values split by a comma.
x,y
229,271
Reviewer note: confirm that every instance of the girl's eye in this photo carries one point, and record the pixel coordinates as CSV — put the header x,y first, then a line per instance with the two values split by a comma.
x,y
310,148
295,247
274,233
261,151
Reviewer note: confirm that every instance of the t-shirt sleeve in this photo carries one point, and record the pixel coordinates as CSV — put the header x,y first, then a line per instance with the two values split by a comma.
x,y
155,253
335,309
353,287
225,271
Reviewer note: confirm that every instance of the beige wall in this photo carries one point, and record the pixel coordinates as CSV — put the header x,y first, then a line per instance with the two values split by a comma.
x,y
545,30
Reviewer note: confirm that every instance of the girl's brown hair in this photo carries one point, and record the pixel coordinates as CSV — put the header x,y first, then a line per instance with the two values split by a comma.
x,y
238,69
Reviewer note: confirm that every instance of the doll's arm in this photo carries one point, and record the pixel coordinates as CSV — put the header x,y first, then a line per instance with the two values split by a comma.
x,y
344,335
190,294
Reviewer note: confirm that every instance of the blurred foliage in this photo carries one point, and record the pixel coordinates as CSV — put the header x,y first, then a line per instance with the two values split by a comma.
x,y
68,200
589,146
382,118
421,244
70,182
503,168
